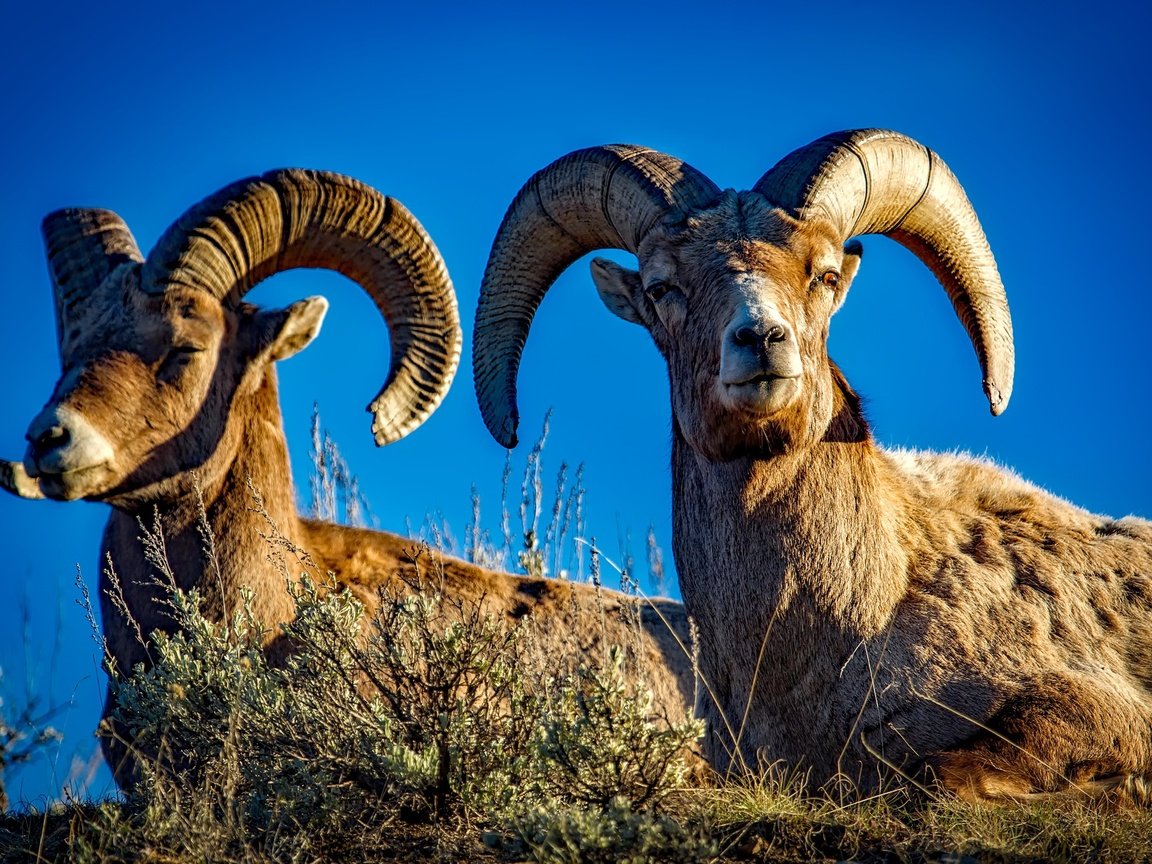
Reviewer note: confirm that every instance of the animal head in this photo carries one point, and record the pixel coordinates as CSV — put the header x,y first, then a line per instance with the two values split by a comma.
x,y
156,353
737,289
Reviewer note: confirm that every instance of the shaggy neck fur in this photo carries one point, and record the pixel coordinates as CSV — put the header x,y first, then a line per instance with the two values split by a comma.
x,y
251,457
832,562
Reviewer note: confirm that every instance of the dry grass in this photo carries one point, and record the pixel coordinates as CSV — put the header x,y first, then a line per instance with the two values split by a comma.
x,y
751,821
769,820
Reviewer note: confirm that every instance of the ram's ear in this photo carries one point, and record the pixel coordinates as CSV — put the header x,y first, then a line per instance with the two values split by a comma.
x,y
619,288
853,252
280,333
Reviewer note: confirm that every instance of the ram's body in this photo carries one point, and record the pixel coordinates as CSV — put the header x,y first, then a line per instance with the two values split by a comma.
x,y
168,406
256,543
861,612
915,603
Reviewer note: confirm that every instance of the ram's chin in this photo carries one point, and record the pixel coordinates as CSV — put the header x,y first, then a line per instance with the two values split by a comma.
x,y
762,421
762,397
73,485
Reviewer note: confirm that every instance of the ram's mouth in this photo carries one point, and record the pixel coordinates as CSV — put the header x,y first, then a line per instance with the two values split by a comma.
x,y
758,379
71,485
761,378
763,393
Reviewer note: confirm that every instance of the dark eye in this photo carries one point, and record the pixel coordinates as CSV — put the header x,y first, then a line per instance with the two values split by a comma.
x,y
830,280
658,289
178,356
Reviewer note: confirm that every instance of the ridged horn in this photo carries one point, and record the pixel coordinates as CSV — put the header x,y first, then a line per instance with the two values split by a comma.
x,y
291,218
84,245
606,197
873,181
14,479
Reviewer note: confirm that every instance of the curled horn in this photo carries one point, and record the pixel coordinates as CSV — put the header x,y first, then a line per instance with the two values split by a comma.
x,y
600,198
872,181
14,479
84,246
294,218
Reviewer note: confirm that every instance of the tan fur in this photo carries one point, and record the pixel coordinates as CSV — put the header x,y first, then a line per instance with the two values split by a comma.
x,y
873,614
207,423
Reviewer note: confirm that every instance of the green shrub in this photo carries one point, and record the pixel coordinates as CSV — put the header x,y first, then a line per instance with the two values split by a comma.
x,y
616,834
434,713
597,744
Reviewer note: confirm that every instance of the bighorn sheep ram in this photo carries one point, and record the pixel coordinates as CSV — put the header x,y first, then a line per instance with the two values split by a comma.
x,y
863,613
168,393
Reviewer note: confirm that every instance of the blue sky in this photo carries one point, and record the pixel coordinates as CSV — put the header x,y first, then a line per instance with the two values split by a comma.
x,y
146,108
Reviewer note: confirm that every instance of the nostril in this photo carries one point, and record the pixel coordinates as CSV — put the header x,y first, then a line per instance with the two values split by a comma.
x,y
746,336
51,438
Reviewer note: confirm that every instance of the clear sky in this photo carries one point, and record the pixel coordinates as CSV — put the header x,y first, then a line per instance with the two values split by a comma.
x,y
1041,110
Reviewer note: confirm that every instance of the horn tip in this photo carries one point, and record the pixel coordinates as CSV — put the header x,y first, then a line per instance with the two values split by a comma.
x,y
997,400
384,431
507,435
15,479
383,437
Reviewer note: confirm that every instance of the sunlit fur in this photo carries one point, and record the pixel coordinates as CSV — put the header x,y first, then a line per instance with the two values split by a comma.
x,y
209,419
878,614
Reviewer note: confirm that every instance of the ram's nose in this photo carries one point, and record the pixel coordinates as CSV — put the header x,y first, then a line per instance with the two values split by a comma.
x,y
758,347
62,440
46,435
757,334
41,443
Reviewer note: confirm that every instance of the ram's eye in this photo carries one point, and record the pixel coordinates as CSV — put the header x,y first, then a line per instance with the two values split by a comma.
x,y
830,280
178,357
658,289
